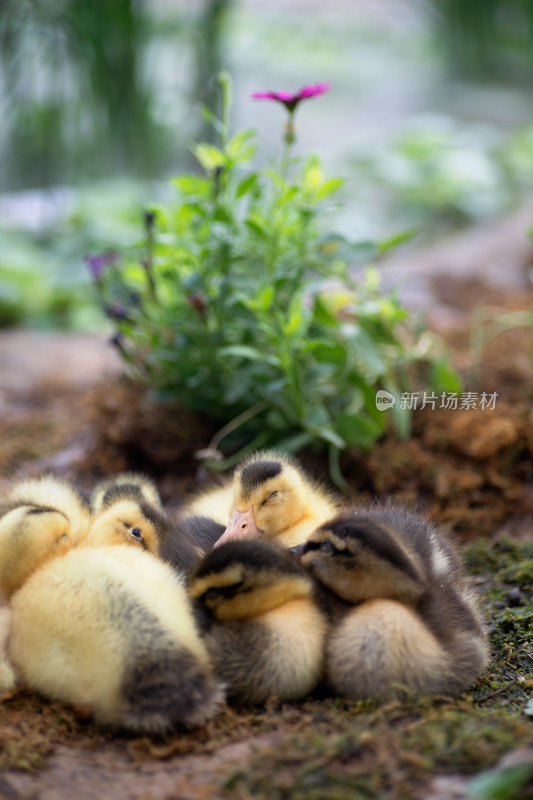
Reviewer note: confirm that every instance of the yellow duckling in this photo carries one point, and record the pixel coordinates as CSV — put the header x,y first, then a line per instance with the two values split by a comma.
x,y
127,510
49,492
110,630
403,612
262,627
30,534
270,496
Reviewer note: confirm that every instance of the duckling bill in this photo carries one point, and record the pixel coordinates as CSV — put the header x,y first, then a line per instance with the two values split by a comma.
x,y
274,498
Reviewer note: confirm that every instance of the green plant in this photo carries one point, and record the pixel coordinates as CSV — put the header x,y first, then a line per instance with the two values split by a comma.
x,y
240,306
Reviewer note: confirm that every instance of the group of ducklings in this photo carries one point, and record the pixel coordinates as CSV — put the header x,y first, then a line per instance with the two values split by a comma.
x,y
265,585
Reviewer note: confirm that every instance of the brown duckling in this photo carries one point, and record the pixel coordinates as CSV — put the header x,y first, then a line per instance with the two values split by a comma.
x,y
261,625
188,539
409,618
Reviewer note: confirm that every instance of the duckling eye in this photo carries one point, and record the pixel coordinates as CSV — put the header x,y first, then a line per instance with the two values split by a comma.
x,y
270,497
327,547
136,533
211,595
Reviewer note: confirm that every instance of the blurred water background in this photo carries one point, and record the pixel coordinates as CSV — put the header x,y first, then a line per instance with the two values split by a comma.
x,y
429,119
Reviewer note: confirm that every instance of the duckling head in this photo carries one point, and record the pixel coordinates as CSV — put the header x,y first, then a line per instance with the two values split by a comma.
x,y
128,522
125,486
29,536
358,558
270,495
243,579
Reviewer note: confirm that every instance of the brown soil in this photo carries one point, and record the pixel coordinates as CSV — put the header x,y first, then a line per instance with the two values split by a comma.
x,y
472,470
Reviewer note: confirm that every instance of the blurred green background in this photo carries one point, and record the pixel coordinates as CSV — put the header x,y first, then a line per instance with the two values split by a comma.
x,y
428,118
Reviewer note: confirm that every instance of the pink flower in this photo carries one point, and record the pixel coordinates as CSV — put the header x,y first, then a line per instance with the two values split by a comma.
x,y
290,101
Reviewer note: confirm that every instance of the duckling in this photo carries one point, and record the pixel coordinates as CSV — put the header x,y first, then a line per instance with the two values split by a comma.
x,y
51,493
188,539
127,510
405,614
271,497
261,625
198,525
29,535
128,522
111,631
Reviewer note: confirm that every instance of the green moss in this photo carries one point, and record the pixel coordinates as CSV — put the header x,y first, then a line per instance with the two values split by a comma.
x,y
504,566
391,752
363,751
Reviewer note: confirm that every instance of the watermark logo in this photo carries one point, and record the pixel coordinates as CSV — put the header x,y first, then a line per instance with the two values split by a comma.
x,y
450,401
384,400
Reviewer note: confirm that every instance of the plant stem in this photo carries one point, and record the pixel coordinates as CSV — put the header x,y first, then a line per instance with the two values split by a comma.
x,y
288,140
236,423
335,470
499,691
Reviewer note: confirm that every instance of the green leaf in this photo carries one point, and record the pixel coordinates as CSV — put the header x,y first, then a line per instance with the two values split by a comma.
x,y
367,354
322,314
239,148
329,187
212,119
294,443
265,298
397,239
318,422
327,351
296,318
358,430
240,387
247,184
192,185
257,225
500,784
330,436
249,353
443,377
209,156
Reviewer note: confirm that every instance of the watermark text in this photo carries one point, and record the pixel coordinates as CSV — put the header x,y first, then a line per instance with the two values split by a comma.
x,y
450,401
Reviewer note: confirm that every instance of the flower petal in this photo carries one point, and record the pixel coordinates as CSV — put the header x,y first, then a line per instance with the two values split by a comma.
x,y
290,101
